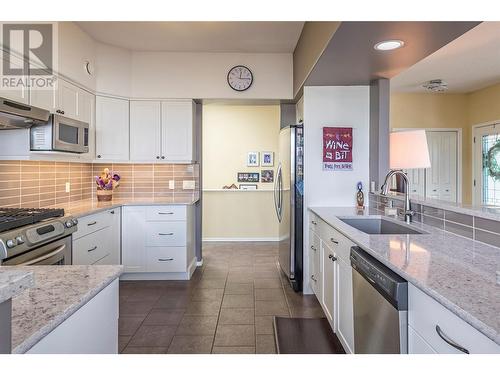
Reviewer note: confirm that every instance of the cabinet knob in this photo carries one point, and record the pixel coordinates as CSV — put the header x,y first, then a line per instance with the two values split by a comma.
x,y
163,157
332,258
98,156
313,247
313,222
112,212
157,157
62,112
313,278
334,241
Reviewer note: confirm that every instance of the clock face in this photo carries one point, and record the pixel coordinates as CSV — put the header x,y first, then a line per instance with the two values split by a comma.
x,y
240,78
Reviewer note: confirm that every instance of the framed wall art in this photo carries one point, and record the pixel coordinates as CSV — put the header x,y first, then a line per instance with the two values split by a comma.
x,y
267,175
253,159
267,159
248,177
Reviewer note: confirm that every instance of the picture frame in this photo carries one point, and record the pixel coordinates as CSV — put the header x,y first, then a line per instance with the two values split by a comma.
x,y
267,159
248,176
267,175
253,159
248,186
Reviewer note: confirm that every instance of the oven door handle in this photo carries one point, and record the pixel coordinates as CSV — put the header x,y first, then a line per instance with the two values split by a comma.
x,y
43,257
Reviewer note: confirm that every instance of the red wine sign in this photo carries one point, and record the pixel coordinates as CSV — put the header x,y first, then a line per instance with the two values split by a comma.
x,y
337,149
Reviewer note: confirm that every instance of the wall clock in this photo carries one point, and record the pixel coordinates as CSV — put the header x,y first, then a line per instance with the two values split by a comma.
x,y
240,78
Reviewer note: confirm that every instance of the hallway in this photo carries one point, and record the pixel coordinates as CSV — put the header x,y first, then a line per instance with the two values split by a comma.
x,y
227,306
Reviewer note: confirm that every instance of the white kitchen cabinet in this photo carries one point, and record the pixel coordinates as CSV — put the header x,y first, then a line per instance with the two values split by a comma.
x,y
98,239
92,329
329,284
316,277
157,244
67,99
44,98
145,130
344,310
112,129
439,327
177,120
19,93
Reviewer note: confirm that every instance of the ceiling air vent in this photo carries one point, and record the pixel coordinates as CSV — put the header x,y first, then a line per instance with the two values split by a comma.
x,y
435,85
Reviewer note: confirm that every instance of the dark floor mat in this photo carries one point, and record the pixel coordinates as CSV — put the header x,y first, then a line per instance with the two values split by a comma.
x,y
305,336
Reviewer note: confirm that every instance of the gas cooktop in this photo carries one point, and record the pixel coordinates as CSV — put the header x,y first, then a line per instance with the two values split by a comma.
x,y
11,218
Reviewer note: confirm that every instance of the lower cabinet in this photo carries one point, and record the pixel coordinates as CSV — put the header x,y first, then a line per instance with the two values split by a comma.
x,y
158,242
98,239
92,329
329,284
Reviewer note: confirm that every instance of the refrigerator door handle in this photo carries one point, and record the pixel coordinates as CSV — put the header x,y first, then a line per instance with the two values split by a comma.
x,y
276,208
280,194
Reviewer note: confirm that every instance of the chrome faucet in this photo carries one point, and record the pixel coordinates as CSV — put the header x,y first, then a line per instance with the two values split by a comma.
x,y
408,213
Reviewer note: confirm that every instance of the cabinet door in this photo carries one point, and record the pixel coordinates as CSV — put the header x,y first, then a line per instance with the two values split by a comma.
x,y
134,239
18,93
177,130
67,101
116,240
145,125
345,318
315,278
112,128
329,265
44,98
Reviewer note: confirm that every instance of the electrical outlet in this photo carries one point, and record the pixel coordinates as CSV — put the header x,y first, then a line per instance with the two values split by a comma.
x,y
67,187
188,184
171,184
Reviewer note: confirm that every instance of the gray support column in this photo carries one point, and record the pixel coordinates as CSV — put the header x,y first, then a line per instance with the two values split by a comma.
x,y
287,114
198,158
379,130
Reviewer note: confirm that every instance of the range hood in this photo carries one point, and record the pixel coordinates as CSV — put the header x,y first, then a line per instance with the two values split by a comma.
x,y
14,115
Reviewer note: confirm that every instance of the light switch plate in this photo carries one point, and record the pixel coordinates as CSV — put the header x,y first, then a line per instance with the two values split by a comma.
x,y
188,184
171,184
67,187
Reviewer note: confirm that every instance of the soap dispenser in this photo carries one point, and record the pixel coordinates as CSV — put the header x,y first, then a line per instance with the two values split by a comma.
x,y
360,197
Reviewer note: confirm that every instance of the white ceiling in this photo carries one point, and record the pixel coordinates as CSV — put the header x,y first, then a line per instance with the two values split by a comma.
x,y
467,64
278,37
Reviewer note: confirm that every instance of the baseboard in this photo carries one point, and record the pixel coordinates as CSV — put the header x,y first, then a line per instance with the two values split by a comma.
x,y
240,239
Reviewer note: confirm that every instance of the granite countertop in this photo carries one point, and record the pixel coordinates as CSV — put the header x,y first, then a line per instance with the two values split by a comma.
x,y
487,212
459,273
13,282
59,291
90,206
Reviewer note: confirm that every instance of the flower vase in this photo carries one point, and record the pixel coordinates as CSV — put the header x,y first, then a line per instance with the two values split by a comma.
x,y
104,195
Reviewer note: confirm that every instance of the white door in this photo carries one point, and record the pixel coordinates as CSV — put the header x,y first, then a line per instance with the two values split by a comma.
x,y
16,93
67,102
145,125
417,181
487,165
441,179
177,130
112,128
134,239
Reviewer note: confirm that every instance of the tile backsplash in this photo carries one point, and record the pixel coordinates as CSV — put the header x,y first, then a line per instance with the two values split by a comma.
x,y
43,183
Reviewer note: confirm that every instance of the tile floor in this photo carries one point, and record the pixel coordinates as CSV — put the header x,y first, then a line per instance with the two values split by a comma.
x,y
227,306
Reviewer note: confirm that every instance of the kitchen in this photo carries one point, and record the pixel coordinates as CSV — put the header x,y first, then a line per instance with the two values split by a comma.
x,y
139,231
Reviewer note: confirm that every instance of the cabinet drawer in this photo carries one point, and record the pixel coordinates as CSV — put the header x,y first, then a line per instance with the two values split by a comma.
x,y
339,243
313,221
166,233
90,249
166,259
92,223
165,213
425,314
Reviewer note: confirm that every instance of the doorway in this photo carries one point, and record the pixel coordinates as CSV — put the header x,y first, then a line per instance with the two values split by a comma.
x,y
486,164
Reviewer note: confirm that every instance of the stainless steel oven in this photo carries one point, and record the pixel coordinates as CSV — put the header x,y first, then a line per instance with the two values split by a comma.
x,y
60,134
54,254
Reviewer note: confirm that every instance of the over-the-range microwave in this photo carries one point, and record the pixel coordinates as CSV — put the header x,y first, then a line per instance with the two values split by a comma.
x,y
60,134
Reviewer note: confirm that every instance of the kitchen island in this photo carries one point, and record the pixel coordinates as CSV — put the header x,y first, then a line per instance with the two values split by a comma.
x,y
70,309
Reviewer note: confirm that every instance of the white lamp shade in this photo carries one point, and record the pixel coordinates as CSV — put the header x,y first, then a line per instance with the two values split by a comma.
x,y
408,149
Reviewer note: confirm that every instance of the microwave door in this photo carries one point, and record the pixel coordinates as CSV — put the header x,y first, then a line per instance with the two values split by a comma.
x,y
69,135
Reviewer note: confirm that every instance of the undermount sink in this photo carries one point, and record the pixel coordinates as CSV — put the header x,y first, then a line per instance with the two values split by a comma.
x,y
379,226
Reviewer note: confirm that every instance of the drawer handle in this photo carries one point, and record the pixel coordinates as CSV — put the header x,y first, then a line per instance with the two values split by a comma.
x,y
334,241
90,250
165,234
314,278
314,222
332,258
313,247
165,259
92,223
112,212
165,213
450,341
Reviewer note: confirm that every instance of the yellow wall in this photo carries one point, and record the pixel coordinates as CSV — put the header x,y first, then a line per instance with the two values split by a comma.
x,y
409,110
229,133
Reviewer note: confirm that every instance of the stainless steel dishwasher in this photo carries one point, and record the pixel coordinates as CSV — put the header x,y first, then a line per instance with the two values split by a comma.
x,y
380,299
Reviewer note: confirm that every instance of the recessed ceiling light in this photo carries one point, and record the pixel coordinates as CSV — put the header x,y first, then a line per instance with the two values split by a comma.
x,y
389,45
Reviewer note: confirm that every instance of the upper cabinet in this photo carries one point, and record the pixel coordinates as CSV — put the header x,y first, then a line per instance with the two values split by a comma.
x,y
177,119
145,130
112,129
161,131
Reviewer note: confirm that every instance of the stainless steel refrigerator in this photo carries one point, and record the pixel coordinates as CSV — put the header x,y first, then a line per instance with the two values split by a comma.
x,y
288,202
